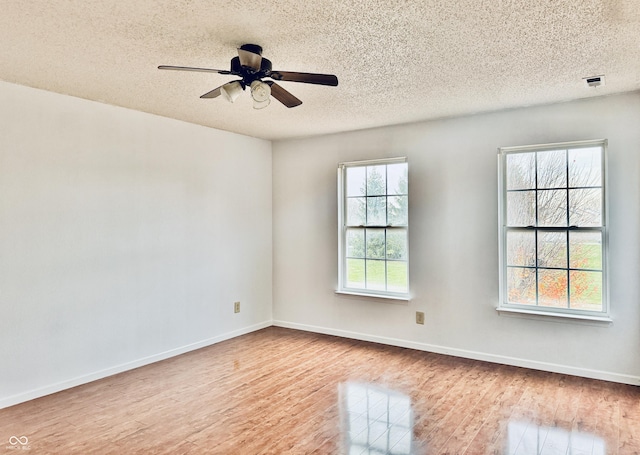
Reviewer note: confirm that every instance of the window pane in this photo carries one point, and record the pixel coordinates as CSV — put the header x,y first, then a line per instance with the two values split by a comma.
x,y
521,285
585,167
397,276
355,273
552,249
397,210
376,180
586,290
375,275
355,243
396,244
521,207
377,211
585,207
521,248
521,171
356,181
397,179
585,250
552,288
552,208
375,244
356,211
552,169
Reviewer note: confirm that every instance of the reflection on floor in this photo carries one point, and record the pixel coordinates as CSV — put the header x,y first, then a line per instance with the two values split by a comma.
x,y
379,421
375,420
527,438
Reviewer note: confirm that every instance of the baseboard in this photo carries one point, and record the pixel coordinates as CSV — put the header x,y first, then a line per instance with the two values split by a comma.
x,y
504,360
513,361
53,388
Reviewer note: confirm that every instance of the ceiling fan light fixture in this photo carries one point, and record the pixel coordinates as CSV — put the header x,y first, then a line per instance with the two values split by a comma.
x,y
261,93
261,104
231,91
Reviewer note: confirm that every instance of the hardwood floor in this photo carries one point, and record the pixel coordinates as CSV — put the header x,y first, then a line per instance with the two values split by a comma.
x,y
281,391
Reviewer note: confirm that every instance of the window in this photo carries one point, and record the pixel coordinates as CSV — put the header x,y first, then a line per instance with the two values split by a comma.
x,y
553,229
374,228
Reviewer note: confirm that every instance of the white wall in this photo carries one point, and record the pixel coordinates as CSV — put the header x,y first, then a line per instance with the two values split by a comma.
x,y
124,238
454,239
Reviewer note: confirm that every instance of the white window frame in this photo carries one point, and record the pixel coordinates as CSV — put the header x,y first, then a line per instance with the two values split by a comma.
x,y
342,230
537,310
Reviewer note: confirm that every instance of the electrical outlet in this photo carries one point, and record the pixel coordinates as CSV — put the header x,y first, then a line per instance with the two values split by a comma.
x,y
419,317
236,307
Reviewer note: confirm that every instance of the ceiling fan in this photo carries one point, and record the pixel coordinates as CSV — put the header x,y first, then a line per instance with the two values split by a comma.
x,y
251,67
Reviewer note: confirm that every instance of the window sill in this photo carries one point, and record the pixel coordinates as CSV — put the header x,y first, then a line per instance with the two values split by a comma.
x,y
376,296
556,317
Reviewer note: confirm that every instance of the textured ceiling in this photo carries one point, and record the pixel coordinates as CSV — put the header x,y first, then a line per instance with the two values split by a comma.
x,y
396,61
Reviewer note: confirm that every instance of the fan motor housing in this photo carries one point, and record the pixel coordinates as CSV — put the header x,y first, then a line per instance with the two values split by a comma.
x,y
249,74
253,48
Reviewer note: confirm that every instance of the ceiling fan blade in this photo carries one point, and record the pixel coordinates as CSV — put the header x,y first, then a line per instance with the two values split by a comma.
x,y
283,95
213,93
189,68
308,78
250,59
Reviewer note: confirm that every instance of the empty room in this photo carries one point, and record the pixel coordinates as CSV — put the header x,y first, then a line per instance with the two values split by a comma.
x,y
341,227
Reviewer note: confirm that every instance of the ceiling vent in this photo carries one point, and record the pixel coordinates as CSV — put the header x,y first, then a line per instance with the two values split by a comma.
x,y
594,81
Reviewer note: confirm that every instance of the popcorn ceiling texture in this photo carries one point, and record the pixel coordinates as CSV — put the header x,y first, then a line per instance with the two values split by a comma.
x,y
397,61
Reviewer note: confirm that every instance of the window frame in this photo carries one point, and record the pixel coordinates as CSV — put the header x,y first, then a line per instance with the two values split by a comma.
x,y
342,232
537,309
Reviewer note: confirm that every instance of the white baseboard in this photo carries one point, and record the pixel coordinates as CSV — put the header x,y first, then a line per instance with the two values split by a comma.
x,y
504,360
53,388
513,361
